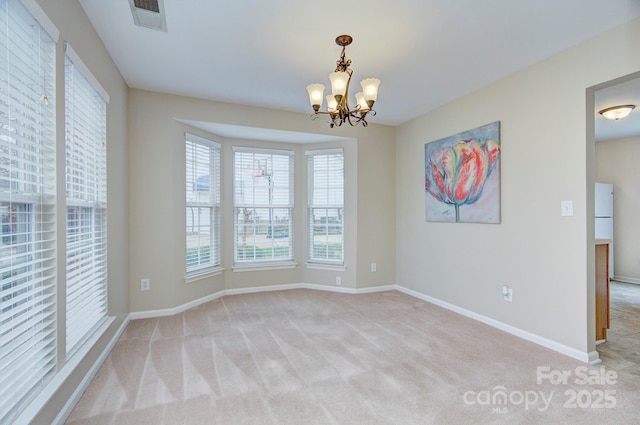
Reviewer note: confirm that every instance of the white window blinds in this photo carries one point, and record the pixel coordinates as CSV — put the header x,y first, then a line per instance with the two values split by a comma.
x,y
203,204
326,206
27,208
86,188
263,206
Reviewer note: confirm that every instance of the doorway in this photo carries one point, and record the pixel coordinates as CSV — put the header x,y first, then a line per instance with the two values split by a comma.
x,y
616,149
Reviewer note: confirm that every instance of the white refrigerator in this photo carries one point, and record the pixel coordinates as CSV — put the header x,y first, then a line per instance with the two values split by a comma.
x,y
604,217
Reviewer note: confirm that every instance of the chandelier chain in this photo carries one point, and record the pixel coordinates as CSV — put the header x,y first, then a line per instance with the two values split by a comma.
x,y
343,63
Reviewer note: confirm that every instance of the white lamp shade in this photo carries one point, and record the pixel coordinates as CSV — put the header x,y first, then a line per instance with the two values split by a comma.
x,y
370,88
617,112
339,81
332,104
361,102
316,94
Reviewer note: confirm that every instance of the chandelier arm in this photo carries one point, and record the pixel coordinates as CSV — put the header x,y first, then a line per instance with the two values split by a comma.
x,y
346,91
332,116
357,118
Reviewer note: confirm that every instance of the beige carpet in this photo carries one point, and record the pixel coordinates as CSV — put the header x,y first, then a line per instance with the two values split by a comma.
x,y
311,357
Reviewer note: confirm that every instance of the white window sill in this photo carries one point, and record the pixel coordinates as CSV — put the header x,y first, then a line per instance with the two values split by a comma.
x,y
254,267
321,266
203,274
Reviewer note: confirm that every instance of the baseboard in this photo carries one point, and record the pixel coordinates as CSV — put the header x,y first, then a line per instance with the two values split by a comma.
x,y
626,279
256,289
149,314
528,336
594,358
66,410
372,289
340,289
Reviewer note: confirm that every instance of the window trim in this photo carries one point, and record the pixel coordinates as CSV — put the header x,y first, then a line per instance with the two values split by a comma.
x,y
96,202
203,274
32,310
272,265
316,263
215,268
84,70
38,14
269,263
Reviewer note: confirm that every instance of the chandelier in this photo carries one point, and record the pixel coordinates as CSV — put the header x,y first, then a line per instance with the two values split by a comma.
x,y
338,101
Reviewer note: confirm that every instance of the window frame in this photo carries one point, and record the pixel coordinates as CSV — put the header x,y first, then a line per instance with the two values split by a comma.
x,y
28,308
276,233
86,203
213,204
314,261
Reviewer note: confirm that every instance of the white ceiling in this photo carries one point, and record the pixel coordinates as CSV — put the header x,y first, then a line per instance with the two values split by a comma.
x,y
264,53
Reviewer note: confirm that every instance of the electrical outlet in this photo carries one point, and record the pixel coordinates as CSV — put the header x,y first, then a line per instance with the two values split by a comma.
x,y
374,267
507,293
339,280
145,284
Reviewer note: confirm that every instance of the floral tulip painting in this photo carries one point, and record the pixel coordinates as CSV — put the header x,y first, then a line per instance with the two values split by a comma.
x,y
462,176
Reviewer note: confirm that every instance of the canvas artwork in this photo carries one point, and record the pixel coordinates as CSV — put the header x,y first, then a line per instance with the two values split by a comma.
x,y
462,176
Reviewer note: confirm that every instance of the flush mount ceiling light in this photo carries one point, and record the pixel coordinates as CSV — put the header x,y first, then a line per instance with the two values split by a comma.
x,y
617,112
338,101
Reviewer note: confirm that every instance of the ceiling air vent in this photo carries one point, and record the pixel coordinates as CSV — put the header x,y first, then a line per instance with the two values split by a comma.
x,y
149,14
150,5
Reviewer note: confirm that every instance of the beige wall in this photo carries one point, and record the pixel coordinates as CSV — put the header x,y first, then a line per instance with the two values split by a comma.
x,y
156,213
74,26
547,157
617,163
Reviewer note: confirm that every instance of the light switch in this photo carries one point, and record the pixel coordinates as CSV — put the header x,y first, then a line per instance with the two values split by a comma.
x,y
567,208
